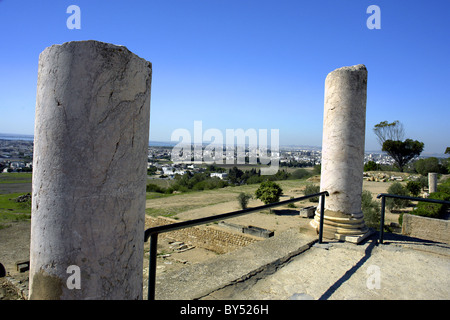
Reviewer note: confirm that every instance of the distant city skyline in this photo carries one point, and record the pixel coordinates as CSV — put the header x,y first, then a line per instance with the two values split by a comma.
x,y
248,64
284,148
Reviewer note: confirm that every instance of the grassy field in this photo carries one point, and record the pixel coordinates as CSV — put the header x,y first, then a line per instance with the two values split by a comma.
x,y
15,177
245,167
176,205
161,205
10,209
163,183
157,203
15,182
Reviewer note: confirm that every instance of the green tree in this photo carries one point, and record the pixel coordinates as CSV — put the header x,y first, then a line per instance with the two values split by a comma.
x,y
414,188
281,175
389,131
214,168
447,151
432,164
317,169
390,136
371,210
403,151
243,199
423,181
398,189
151,187
371,166
269,192
152,170
300,174
311,189
234,175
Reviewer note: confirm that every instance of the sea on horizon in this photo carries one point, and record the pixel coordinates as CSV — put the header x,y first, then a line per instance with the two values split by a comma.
x,y
30,137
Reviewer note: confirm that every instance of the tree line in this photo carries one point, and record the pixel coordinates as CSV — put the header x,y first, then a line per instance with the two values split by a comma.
x,y
203,181
420,166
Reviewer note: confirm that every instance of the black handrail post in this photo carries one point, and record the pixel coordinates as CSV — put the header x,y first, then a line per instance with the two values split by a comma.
x,y
322,209
383,203
152,266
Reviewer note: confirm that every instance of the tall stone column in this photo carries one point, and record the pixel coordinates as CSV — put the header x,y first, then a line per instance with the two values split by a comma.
x,y
89,172
432,182
343,153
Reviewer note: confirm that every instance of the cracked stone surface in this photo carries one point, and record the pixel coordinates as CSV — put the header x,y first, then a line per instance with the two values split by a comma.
x,y
89,171
343,138
343,149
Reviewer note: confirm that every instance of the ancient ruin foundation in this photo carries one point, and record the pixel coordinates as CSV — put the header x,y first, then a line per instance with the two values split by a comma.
x,y
343,153
89,172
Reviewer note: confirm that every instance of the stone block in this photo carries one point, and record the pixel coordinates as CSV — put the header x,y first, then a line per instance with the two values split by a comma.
x,y
307,212
426,228
258,232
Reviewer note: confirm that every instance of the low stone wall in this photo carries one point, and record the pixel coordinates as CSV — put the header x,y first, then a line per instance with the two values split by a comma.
x,y
209,237
426,228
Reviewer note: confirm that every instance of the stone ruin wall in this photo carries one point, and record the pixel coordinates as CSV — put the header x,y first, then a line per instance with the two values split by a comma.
x,y
208,237
426,228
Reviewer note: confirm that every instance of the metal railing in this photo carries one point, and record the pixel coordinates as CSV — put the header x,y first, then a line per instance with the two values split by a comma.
x,y
153,233
383,197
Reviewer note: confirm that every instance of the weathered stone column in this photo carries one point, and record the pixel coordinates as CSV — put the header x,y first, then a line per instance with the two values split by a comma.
x,y
432,182
343,153
89,172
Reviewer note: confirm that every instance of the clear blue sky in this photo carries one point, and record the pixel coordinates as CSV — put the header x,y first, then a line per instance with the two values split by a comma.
x,y
248,64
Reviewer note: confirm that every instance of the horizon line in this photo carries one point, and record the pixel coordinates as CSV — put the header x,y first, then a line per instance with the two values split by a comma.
x,y
173,143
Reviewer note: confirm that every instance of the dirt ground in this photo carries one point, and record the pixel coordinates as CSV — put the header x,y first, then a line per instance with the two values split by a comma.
x,y
14,246
15,239
281,219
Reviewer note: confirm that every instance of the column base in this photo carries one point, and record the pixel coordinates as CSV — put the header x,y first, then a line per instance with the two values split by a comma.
x,y
342,227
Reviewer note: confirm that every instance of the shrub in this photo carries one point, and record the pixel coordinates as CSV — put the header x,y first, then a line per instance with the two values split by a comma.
x,y
243,199
154,188
423,181
317,169
433,210
269,192
169,190
370,209
300,174
414,188
255,179
311,189
398,189
444,186
291,205
371,166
